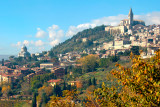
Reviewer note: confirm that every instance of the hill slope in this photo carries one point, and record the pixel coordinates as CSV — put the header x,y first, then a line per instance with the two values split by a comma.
x,y
75,43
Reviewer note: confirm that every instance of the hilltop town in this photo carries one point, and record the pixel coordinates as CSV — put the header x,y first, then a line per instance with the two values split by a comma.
x,y
26,70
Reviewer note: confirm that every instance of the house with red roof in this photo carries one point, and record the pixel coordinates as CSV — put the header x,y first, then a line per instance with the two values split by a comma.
x,y
54,82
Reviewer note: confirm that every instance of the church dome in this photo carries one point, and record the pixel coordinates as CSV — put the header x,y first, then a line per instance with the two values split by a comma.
x,y
24,52
24,48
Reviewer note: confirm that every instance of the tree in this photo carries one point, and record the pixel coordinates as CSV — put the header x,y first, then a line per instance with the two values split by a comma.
x,y
102,51
140,85
135,50
68,100
94,81
44,98
104,62
51,54
6,90
89,63
57,90
114,58
64,86
89,82
34,101
2,62
142,80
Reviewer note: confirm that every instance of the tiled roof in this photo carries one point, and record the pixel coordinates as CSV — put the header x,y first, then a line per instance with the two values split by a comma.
x,y
54,80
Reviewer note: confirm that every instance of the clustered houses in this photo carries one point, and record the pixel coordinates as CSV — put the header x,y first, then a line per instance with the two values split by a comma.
x,y
128,33
138,34
8,75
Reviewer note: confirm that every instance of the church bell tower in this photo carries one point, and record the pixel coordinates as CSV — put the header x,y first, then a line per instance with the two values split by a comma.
x,y
130,17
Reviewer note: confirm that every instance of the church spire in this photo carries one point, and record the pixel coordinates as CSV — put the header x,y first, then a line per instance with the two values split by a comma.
x,y
130,12
130,17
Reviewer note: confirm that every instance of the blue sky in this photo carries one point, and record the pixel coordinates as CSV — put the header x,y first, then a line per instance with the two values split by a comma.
x,y
41,24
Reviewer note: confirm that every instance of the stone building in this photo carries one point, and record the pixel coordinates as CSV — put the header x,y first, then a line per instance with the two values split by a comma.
x,y
24,52
125,25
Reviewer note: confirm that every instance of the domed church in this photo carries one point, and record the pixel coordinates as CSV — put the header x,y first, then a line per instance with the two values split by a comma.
x,y
24,52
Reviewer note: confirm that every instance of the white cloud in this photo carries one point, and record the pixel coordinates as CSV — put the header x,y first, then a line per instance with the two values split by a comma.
x,y
18,44
40,33
55,32
150,18
54,27
39,43
110,20
56,35
75,29
54,42
26,42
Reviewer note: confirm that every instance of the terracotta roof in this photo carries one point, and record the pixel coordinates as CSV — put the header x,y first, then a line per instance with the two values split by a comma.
x,y
54,80
9,75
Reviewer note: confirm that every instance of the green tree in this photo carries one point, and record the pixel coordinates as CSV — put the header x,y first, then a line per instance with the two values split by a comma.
x,y
34,101
89,63
44,98
135,50
64,86
104,62
89,82
2,62
94,81
102,51
57,90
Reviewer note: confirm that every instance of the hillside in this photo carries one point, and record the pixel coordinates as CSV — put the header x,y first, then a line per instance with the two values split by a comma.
x,y
76,44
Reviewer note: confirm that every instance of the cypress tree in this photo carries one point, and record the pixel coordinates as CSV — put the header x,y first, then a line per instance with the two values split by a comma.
x,y
34,102
2,62
69,87
44,98
89,82
94,81
64,86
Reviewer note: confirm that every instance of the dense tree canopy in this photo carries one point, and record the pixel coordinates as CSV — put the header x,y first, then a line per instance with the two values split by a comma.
x,y
89,63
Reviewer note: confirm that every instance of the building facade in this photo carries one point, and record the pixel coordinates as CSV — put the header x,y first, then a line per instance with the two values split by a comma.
x,y
125,25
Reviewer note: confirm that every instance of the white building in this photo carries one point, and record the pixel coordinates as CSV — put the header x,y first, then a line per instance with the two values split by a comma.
x,y
24,52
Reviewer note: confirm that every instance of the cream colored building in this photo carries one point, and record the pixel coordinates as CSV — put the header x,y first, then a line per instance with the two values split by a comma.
x,y
157,30
108,45
84,39
46,65
125,25
115,29
118,42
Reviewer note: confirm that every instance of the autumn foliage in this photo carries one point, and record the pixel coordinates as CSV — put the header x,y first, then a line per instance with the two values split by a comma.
x,y
140,85
89,62
68,100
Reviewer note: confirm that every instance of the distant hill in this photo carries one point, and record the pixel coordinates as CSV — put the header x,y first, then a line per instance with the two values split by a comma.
x,y
76,44
5,57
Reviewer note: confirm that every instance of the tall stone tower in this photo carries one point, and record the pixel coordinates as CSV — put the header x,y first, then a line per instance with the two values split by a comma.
x,y
130,17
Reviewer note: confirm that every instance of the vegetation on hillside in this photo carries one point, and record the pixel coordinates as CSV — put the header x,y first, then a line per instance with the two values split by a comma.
x,y
76,44
138,86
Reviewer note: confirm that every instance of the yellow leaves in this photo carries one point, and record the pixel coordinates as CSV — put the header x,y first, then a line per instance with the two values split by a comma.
x,y
117,65
66,101
151,79
6,88
142,80
145,71
138,80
